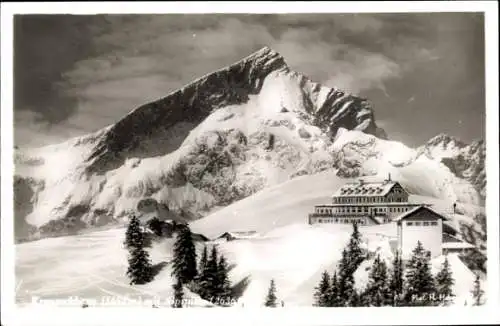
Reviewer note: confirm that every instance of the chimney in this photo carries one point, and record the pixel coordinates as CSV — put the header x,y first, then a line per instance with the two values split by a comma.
x,y
454,208
389,178
361,182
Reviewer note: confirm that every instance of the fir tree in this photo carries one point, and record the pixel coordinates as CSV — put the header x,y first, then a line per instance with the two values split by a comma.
x,y
323,291
420,288
178,294
354,299
203,260
477,292
223,283
139,269
354,251
271,295
444,283
334,297
210,282
201,278
133,236
345,284
377,292
396,278
184,262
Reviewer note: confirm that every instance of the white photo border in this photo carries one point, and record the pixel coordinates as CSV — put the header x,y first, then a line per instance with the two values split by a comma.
x,y
13,315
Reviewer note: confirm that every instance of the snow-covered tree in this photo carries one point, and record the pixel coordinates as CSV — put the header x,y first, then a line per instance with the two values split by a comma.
x,y
139,269
396,278
334,298
377,292
271,295
223,283
345,282
444,283
354,251
477,292
184,262
209,278
420,287
323,291
178,294
133,236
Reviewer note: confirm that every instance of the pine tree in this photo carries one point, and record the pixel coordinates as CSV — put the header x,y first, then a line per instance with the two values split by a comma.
x,y
178,294
210,282
396,279
334,298
140,270
420,288
477,292
354,251
271,295
223,283
345,283
184,262
323,291
377,292
444,283
203,260
133,236
201,278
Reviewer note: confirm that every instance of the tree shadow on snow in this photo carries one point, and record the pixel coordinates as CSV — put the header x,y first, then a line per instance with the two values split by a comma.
x,y
239,288
156,268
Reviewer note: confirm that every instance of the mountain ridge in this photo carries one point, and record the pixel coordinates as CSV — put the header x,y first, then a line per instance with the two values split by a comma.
x,y
227,86
221,138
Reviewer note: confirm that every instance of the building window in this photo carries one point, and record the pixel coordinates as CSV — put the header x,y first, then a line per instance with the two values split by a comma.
x,y
409,223
434,223
425,223
366,209
417,223
336,220
360,209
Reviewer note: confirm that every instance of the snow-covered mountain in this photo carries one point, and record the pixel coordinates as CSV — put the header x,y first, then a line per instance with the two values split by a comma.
x,y
465,161
247,127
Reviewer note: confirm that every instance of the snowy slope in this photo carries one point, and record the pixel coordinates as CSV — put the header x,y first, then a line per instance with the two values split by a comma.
x,y
93,265
292,201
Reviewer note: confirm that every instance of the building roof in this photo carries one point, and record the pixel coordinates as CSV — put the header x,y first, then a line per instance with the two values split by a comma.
x,y
365,189
240,234
416,209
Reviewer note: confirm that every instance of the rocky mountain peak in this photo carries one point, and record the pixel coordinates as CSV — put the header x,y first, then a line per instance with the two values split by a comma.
x,y
445,140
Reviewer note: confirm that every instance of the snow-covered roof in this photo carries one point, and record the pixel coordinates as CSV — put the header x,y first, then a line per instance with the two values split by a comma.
x,y
241,234
365,189
414,210
456,245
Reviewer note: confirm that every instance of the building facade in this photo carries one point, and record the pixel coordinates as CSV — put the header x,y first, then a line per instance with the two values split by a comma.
x,y
420,224
365,203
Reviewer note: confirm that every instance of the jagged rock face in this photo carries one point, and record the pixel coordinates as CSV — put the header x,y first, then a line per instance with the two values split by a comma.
x,y
465,161
230,86
469,164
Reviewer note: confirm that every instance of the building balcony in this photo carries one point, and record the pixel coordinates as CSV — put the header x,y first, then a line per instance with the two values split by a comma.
x,y
353,214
